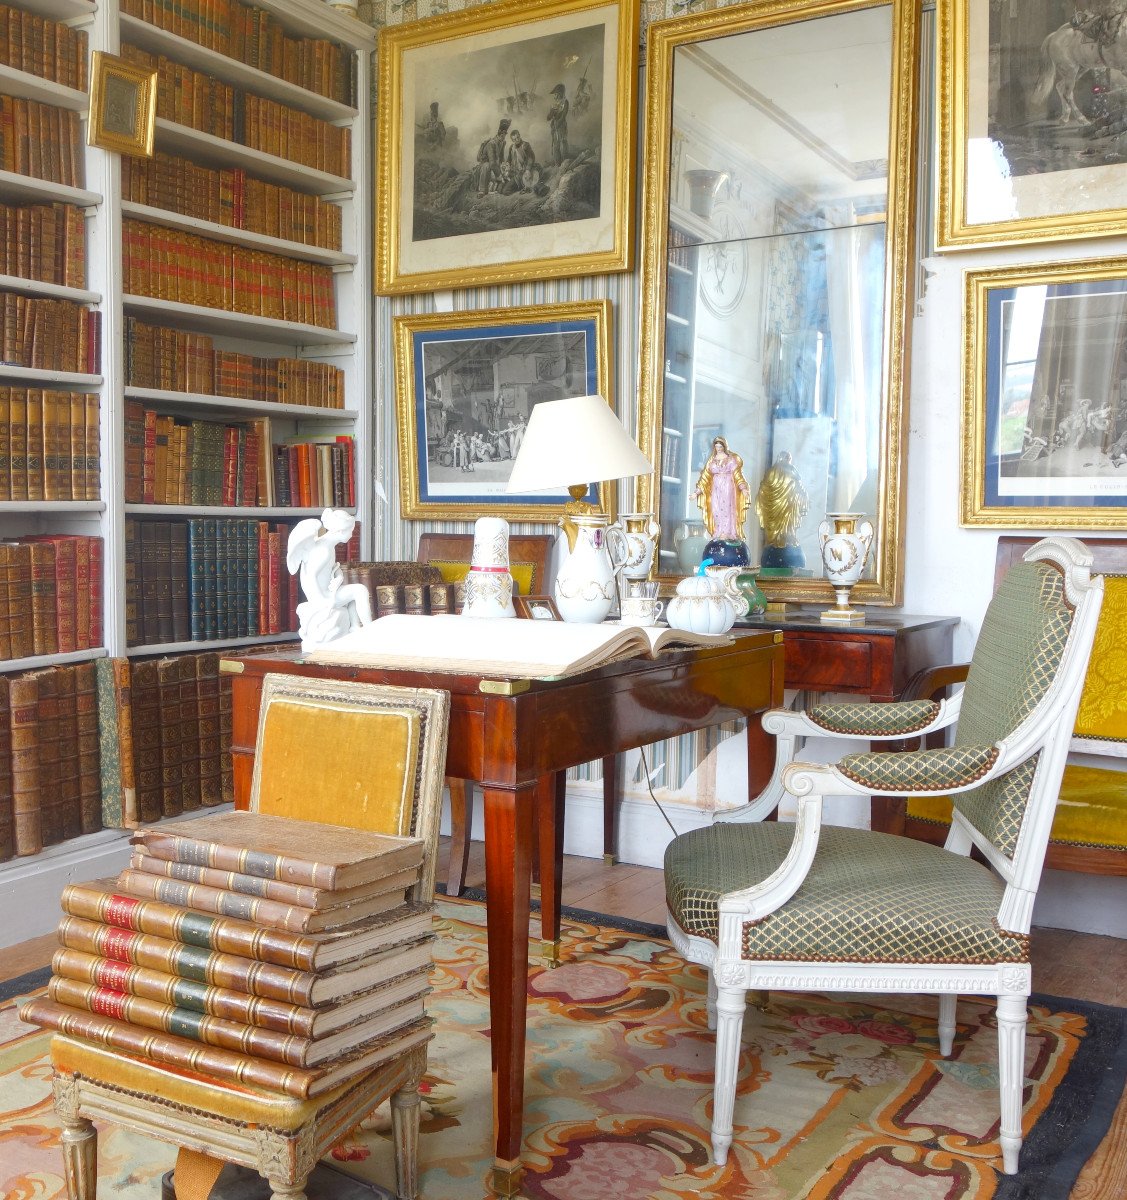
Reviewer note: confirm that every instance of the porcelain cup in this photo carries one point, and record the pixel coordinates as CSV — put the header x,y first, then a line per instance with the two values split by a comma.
x,y
641,610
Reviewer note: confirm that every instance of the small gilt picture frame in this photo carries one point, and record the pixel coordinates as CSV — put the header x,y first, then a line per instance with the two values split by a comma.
x,y
123,106
537,608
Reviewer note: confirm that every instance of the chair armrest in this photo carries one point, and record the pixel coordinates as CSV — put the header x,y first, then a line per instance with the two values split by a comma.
x,y
869,722
928,683
944,769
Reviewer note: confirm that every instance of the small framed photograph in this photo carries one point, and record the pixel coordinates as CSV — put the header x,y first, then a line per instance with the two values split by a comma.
x,y
1030,115
537,608
466,385
1045,387
123,106
506,144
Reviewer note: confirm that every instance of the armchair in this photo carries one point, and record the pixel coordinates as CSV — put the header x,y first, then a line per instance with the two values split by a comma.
x,y
364,756
813,907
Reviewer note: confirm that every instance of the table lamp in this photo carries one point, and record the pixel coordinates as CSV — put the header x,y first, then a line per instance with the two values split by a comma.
x,y
568,444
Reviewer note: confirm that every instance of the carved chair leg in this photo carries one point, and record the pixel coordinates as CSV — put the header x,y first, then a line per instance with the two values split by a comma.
x,y
405,1106
730,1005
80,1158
711,1002
947,1003
280,1190
1012,1015
461,816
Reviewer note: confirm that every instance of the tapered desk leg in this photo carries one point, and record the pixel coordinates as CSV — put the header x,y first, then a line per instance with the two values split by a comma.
x,y
461,815
508,860
550,821
612,771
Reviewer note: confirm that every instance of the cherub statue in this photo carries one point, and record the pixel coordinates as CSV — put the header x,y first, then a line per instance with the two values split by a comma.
x,y
331,607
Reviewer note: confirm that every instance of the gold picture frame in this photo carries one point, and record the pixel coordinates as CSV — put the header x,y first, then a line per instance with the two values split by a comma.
x,y
123,106
461,376
1018,162
497,172
1045,396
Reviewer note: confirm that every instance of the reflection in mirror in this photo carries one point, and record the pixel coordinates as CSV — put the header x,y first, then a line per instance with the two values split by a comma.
x,y
773,285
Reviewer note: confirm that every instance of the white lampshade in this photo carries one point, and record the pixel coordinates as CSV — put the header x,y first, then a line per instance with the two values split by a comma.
x,y
577,440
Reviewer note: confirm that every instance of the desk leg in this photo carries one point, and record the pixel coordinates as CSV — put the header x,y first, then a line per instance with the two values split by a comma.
x,y
612,770
760,756
508,861
550,821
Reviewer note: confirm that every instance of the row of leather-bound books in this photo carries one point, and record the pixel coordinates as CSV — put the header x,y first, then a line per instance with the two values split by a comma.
x,y
49,444
201,101
253,36
229,196
48,335
280,954
50,595
45,242
44,47
166,264
41,140
109,744
177,360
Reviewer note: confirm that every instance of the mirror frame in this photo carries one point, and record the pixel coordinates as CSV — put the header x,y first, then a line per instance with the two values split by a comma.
x,y
884,580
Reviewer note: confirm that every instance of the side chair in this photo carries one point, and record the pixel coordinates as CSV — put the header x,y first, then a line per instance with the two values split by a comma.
x,y
365,756
812,907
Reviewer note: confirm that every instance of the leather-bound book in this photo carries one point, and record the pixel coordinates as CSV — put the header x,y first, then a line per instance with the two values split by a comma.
x,y
207,719
231,1005
145,696
17,557
17,428
134,624
222,1064
23,725
171,736
86,723
101,901
117,777
35,489
237,1036
93,434
7,817
44,611
47,734
97,549
189,733
178,581
134,473
66,740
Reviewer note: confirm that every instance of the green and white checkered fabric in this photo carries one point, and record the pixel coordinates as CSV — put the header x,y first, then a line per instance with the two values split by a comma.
x,y
905,717
1015,660
919,770
869,897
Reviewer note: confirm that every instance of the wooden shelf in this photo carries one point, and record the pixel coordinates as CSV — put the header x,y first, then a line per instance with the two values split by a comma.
x,y
55,291
236,237
29,189
185,647
230,70
213,151
46,91
77,11
235,404
218,510
35,661
70,380
234,324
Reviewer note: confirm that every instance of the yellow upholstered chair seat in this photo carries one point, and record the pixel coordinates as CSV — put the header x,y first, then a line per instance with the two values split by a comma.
x,y
1091,811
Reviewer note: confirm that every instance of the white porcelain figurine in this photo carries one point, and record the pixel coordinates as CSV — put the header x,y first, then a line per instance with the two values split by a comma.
x,y
331,607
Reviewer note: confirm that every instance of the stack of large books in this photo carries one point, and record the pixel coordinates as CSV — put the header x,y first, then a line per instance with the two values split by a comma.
x,y
268,951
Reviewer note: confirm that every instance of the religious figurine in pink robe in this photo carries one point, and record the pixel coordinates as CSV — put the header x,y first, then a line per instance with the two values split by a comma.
x,y
723,493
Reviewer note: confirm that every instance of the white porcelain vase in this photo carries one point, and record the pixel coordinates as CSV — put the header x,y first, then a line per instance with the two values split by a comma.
x,y
701,605
641,532
846,540
586,586
489,585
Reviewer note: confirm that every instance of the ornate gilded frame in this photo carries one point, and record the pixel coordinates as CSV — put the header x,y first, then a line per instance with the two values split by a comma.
x,y
983,497
412,334
123,106
885,582
589,246
964,92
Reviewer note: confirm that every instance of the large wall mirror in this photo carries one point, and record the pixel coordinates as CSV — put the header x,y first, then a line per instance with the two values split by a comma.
x,y
776,243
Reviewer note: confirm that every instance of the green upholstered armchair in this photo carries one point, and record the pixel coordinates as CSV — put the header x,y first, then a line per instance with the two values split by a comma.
x,y
812,907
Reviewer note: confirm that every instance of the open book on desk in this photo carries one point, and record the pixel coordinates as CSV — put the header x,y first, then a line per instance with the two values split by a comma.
x,y
508,647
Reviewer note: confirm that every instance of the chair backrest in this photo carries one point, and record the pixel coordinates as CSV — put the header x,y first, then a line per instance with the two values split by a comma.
x,y
366,756
1029,660
1101,721
528,558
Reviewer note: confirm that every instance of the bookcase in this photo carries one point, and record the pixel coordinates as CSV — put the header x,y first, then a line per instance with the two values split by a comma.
x,y
191,313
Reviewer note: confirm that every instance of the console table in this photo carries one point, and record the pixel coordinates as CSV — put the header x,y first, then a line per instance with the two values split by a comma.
x,y
516,738
873,660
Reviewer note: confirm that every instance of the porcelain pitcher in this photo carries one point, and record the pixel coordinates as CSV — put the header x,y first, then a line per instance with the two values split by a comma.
x,y
586,585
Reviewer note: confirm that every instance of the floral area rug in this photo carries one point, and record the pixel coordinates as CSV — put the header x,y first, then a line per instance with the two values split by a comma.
x,y
842,1098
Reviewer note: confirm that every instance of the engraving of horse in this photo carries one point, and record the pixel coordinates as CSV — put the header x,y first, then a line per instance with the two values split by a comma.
x,y
1069,51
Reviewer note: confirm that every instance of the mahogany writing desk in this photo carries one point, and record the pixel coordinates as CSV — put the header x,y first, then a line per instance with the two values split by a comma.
x,y
516,739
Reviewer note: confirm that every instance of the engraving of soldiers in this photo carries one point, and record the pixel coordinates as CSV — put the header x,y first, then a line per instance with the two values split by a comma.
x,y
557,124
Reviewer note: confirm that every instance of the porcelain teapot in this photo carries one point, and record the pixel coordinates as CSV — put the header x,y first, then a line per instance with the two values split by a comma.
x,y
729,580
641,532
701,605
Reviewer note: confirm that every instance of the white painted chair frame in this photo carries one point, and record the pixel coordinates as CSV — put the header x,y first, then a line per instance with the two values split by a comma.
x,y
1047,729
